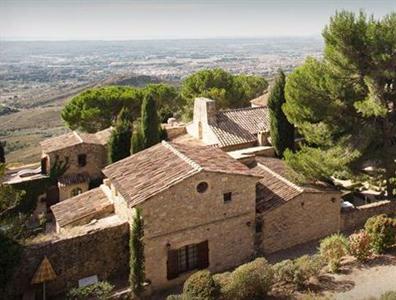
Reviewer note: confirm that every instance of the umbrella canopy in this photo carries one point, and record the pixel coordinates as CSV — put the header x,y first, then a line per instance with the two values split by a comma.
x,y
44,273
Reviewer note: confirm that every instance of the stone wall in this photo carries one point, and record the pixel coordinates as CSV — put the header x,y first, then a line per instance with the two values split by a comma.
x,y
96,159
104,252
181,216
354,218
307,217
65,192
174,131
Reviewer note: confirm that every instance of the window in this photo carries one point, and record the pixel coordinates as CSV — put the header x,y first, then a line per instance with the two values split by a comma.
x,y
202,187
76,192
227,197
187,258
82,160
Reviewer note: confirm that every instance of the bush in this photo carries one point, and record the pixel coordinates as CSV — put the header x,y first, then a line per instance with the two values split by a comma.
x,y
360,245
100,290
284,271
306,267
250,281
391,295
382,231
200,286
332,249
297,271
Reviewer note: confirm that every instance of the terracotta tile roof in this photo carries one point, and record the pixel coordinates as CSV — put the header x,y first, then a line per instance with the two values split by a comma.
x,y
240,126
157,168
277,186
74,138
73,179
89,204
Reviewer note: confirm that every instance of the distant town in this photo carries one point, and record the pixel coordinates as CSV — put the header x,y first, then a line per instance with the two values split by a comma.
x,y
33,74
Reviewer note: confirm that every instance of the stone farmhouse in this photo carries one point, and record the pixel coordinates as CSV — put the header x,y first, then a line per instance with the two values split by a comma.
x,y
213,198
198,205
85,155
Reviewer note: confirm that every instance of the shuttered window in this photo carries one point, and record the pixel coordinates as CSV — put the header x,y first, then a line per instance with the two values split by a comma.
x,y
187,258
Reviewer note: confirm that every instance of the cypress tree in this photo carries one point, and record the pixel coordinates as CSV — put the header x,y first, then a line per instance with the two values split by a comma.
x,y
136,248
137,141
150,127
120,140
282,132
2,154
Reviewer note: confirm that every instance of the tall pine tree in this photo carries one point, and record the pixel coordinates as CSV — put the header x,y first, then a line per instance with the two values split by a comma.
x,y
120,140
344,105
282,131
136,248
150,126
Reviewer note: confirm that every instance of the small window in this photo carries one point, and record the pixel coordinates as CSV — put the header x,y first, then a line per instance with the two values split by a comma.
x,y
76,192
82,160
202,187
227,197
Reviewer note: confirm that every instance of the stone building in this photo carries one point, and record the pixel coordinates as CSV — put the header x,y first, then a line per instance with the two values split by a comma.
x,y
198,206
229,129
289,214
204,209
84,154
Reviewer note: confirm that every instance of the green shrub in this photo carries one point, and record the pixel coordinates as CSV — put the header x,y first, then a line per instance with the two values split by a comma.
x,y
223,281
391,295
200,286
381,230
297,271
360,245
250,281
101,290
332,249
306,267
284,271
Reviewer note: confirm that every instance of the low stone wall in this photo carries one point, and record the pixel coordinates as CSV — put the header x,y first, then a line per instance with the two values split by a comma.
x,y
174,132
103,252
354,218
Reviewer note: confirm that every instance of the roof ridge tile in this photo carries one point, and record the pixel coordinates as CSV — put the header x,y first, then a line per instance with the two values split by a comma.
x,y
280,177
182,156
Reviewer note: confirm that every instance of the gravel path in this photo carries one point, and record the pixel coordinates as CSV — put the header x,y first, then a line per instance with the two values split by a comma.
x,y
371,280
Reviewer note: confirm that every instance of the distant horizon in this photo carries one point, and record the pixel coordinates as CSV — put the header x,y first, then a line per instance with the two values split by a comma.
x,y
313,36
131,20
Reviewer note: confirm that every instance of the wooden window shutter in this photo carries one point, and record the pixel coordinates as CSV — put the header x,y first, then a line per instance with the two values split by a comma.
x,y
172,269
203,255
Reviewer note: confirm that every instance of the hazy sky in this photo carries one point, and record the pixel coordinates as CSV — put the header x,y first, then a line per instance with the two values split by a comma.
x,y
148,19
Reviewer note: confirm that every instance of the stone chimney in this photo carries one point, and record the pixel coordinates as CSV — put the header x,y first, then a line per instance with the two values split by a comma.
x,y
204,111
262,138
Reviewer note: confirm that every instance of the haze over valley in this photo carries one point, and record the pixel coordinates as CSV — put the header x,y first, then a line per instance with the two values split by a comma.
x,y
36,78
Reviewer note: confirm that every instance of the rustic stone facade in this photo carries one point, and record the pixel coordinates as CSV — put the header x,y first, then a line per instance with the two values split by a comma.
x,y
354,218
307,217
103,252
96,159
68,191
191,217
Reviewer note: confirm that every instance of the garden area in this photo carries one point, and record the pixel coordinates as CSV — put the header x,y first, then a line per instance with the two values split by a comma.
x,y
359,266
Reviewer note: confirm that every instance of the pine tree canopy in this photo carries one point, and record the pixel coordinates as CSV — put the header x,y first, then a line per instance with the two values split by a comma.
x,y
282,132
150,126
344,105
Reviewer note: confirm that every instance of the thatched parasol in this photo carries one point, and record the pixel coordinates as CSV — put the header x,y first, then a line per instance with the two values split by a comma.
x,y
44,273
